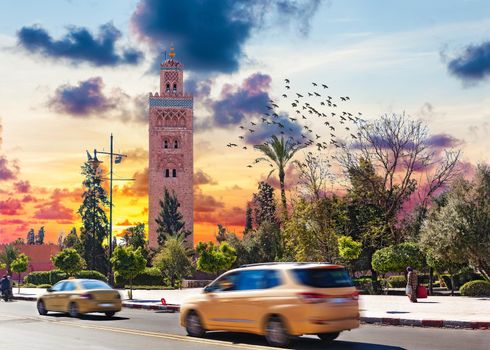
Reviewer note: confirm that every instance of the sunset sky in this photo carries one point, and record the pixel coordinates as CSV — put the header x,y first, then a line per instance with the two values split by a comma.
x,y
75,71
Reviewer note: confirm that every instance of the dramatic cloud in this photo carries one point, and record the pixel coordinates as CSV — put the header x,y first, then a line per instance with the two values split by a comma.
x,y
138,187
10,207
88,99
209,35
442,141
283,127
22,186
84,99
205,203
237,103
54,211
7,172
201,178
79,45
227,217
473,64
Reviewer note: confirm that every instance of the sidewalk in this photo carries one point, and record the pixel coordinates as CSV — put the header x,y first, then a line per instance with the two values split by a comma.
x,y
435,311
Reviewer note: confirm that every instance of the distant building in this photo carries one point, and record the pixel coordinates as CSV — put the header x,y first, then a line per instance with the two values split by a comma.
x,y
170,146
39,257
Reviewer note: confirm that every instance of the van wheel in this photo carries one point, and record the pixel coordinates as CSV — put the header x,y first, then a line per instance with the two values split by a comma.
x,y
193,325
41,308
73,311
276,333
328,337
110,313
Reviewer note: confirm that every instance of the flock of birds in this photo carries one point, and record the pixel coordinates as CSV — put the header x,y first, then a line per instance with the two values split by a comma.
x,y
307,106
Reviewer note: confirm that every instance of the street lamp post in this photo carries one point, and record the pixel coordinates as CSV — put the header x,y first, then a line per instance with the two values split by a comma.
x,y
94,162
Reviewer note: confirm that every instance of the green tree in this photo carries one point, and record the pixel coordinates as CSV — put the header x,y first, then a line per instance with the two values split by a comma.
x,y
459,230
173,260
396,258
169,220
349,249
222,234
20,265
68,261
94,220
264,203
72,241
213,258
248,219
310,233
8,255
128,263
31,237
279,152
40,236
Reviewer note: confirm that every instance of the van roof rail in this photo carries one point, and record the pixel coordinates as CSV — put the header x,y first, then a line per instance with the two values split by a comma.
x,y
286,262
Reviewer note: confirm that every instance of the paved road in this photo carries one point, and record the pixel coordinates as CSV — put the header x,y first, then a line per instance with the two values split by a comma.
x,y
21,328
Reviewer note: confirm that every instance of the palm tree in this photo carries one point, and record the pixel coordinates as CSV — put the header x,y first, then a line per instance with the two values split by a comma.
x,y
279,152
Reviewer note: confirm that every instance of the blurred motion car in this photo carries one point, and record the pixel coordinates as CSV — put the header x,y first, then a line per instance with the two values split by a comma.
x,y
80,296
278,300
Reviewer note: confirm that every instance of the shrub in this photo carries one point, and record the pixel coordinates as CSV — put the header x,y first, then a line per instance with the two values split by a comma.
x,y
479,288
397,281
396,258
151,276
54,276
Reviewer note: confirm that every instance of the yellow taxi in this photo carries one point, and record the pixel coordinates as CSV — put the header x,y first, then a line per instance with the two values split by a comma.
x,y
80,296
278,300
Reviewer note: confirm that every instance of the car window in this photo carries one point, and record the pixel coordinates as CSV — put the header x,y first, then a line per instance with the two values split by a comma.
x,y
95,284
258,279
68,287
323,277
58,286
225,283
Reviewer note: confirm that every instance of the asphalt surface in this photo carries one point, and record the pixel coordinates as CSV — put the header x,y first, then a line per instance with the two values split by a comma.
x,y
22,328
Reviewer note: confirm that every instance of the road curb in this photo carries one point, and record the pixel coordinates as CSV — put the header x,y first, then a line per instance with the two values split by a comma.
x,y
425,323
386,321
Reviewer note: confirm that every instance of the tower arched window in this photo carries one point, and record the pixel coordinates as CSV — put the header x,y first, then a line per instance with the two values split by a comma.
x,y
174,172
167,88
165,144
175,87
176,144
167,172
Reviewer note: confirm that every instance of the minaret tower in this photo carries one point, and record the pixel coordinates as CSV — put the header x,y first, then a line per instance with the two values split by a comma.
x,y
171,142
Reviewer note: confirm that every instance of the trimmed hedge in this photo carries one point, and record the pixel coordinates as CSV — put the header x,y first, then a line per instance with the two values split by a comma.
x,y
397,281
479,288
151,276
54,276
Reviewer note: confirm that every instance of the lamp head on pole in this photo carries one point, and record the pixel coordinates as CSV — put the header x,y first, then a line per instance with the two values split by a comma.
x,y
93,161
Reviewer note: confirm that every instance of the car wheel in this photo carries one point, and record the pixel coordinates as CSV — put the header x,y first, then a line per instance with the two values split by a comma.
x,y
328,337
41,308
276,333
110,313
73,311
193,325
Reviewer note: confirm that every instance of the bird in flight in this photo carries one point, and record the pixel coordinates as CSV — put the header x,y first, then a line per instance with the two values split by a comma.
x,y
286,80
314,84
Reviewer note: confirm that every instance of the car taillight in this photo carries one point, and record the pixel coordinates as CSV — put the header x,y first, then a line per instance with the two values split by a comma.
x,y
355,295
87,296
312,298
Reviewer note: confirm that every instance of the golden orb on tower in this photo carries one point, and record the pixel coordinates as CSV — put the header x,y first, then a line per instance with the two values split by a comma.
x,y
172,53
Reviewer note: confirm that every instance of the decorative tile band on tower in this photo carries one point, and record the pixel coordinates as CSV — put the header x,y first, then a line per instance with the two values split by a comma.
x,y
170,129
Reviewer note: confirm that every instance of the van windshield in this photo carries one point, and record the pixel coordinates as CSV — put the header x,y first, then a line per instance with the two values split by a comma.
x,y
323,277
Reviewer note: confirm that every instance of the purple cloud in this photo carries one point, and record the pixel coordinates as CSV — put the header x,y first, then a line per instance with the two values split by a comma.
x,y
82,100
79,45
442,141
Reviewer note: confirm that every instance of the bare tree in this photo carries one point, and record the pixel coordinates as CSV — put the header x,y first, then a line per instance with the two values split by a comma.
x,y
400,150
314,172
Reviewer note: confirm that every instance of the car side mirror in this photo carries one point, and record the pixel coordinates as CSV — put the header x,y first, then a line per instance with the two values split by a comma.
x,y
49,289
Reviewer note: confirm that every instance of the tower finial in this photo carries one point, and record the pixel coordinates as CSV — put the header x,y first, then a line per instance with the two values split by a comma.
x,y
172,52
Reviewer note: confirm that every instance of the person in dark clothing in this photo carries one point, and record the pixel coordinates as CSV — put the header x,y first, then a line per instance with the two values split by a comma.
x,y
5,287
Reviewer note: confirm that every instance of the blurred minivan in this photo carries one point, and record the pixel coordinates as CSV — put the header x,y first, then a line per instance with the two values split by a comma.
x,y
278,300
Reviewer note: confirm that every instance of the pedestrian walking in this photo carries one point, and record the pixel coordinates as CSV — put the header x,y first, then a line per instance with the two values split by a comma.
x,y
412,284
4,287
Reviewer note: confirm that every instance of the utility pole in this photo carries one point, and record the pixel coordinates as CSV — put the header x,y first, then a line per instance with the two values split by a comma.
x,y
117,160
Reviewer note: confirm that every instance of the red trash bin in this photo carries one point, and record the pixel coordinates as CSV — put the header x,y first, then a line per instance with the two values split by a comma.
x,y
421,291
